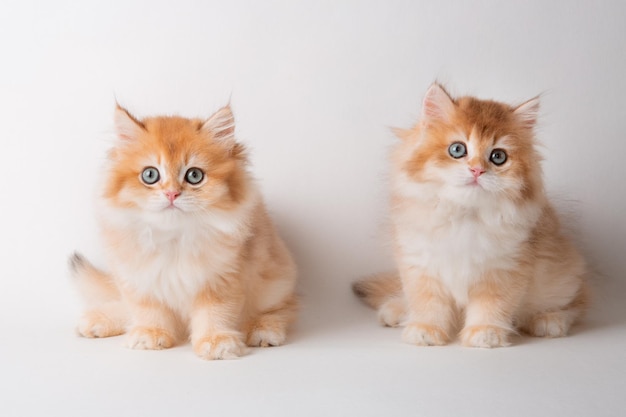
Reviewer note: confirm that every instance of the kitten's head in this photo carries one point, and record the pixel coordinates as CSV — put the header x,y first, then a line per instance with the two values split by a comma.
x,y
474,149
173,165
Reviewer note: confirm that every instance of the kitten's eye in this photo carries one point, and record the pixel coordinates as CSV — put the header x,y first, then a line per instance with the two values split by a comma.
x,y
194,176
498,156
150,175
457,150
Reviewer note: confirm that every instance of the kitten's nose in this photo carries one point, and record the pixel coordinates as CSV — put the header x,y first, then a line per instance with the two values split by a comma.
x,y
477,171
172,195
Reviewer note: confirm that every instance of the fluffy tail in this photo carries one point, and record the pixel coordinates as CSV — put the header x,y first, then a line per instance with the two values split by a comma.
x,y
384,293
377,289
105,313
95,286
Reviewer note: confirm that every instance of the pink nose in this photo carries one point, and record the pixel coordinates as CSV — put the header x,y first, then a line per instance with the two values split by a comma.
x,y
477,171
172,195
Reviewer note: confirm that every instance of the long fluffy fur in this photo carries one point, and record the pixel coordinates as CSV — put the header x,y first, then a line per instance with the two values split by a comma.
x,y
475,243
186,260
378,289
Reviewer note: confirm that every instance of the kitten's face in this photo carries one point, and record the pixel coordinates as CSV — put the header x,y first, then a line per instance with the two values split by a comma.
x,y
173,165
474,149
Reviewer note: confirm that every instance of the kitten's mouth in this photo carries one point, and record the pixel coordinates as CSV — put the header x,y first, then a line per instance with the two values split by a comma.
x,y
171,207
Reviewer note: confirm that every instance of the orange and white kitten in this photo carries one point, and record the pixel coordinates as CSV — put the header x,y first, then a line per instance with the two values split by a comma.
x,y
477,244
192,251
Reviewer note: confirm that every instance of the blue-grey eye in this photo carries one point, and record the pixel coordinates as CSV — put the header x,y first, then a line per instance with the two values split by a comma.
x,y
150,175
498,156
194,176
457,150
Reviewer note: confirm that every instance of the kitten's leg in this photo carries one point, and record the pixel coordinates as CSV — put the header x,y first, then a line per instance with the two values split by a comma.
x,y
430,311
215,318
557,322
493,302
393,312
105,320
155,326
270,328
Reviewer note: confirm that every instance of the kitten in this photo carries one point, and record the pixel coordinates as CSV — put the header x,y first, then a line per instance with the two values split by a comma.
x,y
191,248
475,239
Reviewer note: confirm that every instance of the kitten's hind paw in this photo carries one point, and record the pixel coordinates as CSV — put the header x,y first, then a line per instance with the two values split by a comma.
x,y
148,338
220,346
424,335
553,324
485,336
96,324
392,313
264,337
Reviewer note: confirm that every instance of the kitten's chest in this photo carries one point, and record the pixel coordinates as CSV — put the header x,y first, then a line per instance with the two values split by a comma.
x,y
172,267
457,245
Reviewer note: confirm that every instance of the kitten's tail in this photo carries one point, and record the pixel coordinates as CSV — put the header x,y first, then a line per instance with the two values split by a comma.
x,y
378,289
106,313
95,286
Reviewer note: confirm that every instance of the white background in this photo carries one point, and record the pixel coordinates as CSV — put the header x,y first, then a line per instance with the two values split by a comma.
x,y
315,87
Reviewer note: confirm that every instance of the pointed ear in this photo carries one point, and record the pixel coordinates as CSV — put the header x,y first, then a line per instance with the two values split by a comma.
x,y
437,105
528,112
221,126
127,127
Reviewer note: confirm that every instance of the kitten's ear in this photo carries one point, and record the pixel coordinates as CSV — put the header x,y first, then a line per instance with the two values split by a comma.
x,y
221,126
437,105
127,126
528,112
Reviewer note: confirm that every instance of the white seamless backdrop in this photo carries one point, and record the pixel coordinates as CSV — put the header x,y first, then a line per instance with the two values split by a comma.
x,y
315,87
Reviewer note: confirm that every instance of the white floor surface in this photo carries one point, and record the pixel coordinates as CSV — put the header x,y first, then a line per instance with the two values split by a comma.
x,y
338,362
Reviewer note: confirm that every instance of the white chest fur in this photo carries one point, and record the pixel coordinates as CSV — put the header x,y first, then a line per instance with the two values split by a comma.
x,y
459,244
172,260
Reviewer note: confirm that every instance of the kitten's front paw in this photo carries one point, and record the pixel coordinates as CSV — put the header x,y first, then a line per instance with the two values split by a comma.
x,y
424,335
148,338
220,346
485,336
97,324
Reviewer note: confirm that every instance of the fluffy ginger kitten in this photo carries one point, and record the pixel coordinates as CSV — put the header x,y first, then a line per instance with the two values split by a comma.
x,y
191,249
477,244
